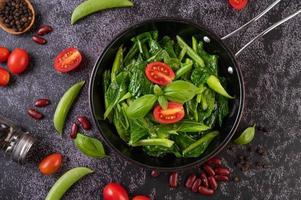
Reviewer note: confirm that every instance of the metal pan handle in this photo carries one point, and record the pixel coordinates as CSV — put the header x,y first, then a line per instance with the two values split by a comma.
x,y
263,32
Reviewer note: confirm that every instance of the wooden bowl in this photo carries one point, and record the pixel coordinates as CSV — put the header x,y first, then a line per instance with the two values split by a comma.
x,y
12,31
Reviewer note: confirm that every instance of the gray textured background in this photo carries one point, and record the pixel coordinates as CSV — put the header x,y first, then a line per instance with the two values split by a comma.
x,y
271,67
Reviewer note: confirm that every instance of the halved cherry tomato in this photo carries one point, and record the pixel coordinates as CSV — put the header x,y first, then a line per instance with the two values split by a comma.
x,y
141,197
114,191
173,113
51,164
4,53
18,61
68,60
159,73
4,77
238,4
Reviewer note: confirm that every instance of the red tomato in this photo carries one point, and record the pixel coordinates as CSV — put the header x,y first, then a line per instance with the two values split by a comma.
x,y
159,73
51,164
4,77
4,53
114,191
173,113
238,4
141,197
18,61
68,60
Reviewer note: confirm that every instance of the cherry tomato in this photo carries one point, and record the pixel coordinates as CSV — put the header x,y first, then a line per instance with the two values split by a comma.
x,y
141,197
4,77
114,191
68,60
51,164
18,61
173,113
159,73
238,4
4,53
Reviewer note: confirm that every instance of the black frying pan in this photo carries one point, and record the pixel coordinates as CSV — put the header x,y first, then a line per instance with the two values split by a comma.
x,y
228,68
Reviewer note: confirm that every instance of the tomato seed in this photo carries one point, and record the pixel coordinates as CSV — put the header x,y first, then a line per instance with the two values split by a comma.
x,y
155,173
74,131
196,184
222,171
204,180
35,114
39,40
44,29
221,178
84,122
173,179
190,181
216,161
41,102
212,182
209,170
205,191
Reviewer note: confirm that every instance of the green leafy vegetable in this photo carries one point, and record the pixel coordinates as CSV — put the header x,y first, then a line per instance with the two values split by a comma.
x,y
91,6
155,141
247,136
121,122
163,102
117,64
89,146
141,106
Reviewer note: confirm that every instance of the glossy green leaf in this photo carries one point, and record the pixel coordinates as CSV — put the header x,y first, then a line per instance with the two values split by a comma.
x,y
163,102
89,146
141,106
247,136
215,84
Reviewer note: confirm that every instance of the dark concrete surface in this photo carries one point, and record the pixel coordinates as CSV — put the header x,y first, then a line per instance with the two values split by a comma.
x,y
272,71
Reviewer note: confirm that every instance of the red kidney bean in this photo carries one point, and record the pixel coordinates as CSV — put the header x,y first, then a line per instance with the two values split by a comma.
x,y
204,180
155,173
221,178
74,131
190,181
212,182
39,40
196,184
44,29
35,114
216,161
173,179
209,170
206,191
84,122
222,171
41,102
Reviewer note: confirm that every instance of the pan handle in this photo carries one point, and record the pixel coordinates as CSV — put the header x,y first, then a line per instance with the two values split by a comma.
x,y
252,20
268,30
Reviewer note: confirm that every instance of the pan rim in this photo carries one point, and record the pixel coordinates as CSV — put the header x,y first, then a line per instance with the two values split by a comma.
x,y
231,133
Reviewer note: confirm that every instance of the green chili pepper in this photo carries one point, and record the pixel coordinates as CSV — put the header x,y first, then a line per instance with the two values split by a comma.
x,y
141,106
247,136
117,63
91,6
89,146
214,83
66,181
192,54
64,106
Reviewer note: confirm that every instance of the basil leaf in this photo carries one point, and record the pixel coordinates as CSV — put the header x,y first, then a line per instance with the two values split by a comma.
x,y
180,91
247,136
89,146
141,106
163,102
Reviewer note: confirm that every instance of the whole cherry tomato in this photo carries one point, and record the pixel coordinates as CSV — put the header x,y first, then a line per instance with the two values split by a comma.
x,y
141,197
238,4
4,53
18,61
4,77
114,191
51,164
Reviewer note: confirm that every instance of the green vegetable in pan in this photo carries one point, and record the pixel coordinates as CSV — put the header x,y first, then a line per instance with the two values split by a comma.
x,y
165,96
89,146
66,181
64,106
91,6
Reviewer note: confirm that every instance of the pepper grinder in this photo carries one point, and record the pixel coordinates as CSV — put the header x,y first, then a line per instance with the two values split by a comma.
x,y
14,141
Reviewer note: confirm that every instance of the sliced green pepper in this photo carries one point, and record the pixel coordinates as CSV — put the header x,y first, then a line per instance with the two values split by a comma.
x,y
64,106
66,181
91,6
